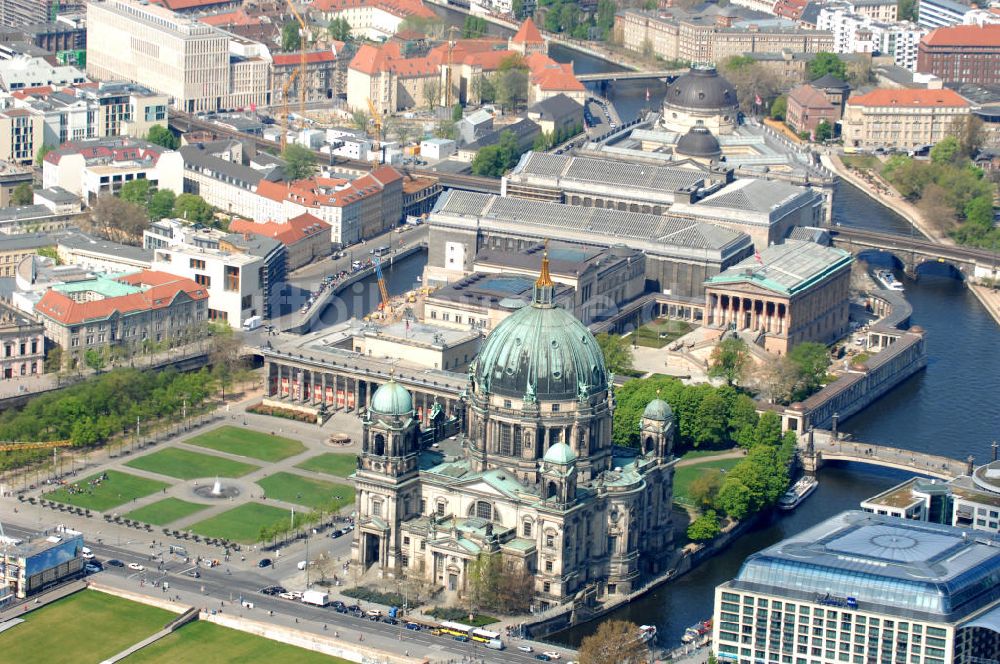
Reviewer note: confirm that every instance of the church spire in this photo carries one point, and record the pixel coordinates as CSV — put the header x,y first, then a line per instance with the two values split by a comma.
x,y
544,286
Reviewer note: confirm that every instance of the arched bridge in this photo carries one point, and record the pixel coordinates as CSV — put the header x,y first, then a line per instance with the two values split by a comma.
x,y
827,447
629,75
913,252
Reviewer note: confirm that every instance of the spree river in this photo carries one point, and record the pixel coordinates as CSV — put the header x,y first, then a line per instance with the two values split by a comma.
x,y
947,409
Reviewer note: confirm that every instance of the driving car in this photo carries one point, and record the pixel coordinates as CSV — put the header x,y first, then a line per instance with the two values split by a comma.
x,y
86,553
543,657
114,562
264,562
526,649
91,569
463,639
136,566
552,654
195,574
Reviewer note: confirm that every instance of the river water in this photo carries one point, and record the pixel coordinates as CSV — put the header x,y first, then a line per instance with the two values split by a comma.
x,y
947,409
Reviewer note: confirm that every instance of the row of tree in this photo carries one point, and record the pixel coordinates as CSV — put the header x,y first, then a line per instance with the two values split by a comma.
x,y
495,160
546,141
564,16
788,378
950,190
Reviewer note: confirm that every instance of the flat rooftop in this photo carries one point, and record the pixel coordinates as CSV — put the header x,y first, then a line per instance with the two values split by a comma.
x,y
82,242
565,258
505,291
420,334
885,564
570,169
101,284
786,268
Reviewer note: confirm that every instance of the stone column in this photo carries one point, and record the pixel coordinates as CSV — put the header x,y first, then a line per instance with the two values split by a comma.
x,y
322,387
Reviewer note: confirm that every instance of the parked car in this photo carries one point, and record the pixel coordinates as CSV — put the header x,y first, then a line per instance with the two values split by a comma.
x,y
86,553
552,654
337,533
543,657
264,562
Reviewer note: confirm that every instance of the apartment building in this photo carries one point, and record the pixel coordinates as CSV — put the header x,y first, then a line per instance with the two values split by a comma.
x,y
676,34
131,311
375,20
22,344
91,167
198,66
859,33
13,249
11,177
323,80
237,271
217,174
902,119
103,256
306,238
962,54
933,14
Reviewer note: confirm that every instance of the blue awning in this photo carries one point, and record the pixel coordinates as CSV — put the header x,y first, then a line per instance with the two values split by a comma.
x,y
989,620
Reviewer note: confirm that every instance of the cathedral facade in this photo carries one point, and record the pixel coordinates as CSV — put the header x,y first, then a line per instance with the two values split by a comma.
x,y
534,477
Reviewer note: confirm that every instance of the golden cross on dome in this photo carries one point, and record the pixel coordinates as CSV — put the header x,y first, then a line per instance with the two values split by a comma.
x,y
544,279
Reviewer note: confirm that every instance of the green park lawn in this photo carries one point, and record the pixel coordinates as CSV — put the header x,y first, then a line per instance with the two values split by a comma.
x,y
306,491
165,511
118,489
244,442
206,642
685,475
241,524
186,465
331,463
88,626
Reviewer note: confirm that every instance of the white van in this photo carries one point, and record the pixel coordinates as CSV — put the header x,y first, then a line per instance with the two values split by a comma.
x,y
87,553
252,323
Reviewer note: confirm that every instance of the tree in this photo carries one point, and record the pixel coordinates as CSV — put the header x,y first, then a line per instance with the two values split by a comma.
x,y
827,63
970,135
705,527
94,359
614,642
224,355
300,162
161,204
42,151
752,80
432,90
517,9
136,191
811,361
779,108
729,360
193,208
979,212
704,489
339,29
906,10
456,112
946,151
474,27
617,353
446,129
484,579
162,136
54,359
567,16
512,82
291,40
118,220
605,20
23,194
824,131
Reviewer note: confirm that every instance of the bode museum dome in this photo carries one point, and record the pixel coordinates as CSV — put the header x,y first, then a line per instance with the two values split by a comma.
x,y
701,97
533,475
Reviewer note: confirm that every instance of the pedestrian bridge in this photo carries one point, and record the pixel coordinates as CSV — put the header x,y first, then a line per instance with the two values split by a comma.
x,y
821,446
629,75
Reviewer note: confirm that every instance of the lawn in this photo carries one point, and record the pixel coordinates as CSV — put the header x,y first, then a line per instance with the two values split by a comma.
x,y
685,475
244,442
117,489
165,511
185,465
659,333
241,524
331,463
300,490
206,642
88,626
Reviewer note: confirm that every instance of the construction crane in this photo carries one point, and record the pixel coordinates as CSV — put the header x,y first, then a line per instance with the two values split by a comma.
x,y
451,50
284,101
377,127
386,302
302,59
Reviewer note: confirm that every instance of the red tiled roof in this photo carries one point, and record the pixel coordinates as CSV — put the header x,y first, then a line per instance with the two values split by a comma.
x,y
790,8
528,33
401,8
320,192
912,98
964,35
288,233
291,59
550,75
238,17
809,97
162,289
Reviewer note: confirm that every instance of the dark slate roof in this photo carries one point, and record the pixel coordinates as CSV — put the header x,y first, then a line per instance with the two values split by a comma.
x,y
557,107
830,82
522,130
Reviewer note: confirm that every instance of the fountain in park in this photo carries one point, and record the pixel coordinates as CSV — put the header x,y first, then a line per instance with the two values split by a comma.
x,y
217,490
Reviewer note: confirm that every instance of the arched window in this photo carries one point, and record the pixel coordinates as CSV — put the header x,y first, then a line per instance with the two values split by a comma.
x,y
526,528
484,510
552,491
648,446
379,444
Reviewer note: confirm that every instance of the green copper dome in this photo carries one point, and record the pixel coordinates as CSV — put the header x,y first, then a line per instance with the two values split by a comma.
x,y
561,454
658,410
541,352
391,399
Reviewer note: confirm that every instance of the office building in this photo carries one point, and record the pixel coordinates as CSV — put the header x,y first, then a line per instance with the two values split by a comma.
x,y
933,14
129,312
306,238
968,54
101,256
903,119
25,71
28,567
863,588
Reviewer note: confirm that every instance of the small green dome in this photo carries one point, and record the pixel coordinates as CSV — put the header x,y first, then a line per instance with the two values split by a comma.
x,y
561,454
541,350
392,399
658,410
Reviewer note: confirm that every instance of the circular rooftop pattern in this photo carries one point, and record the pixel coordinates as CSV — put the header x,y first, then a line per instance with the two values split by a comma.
x,y
701,89
392,399
544,351
699,142
987,477
658,410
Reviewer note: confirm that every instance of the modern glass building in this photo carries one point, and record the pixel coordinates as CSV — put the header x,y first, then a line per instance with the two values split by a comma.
x,y
865,588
